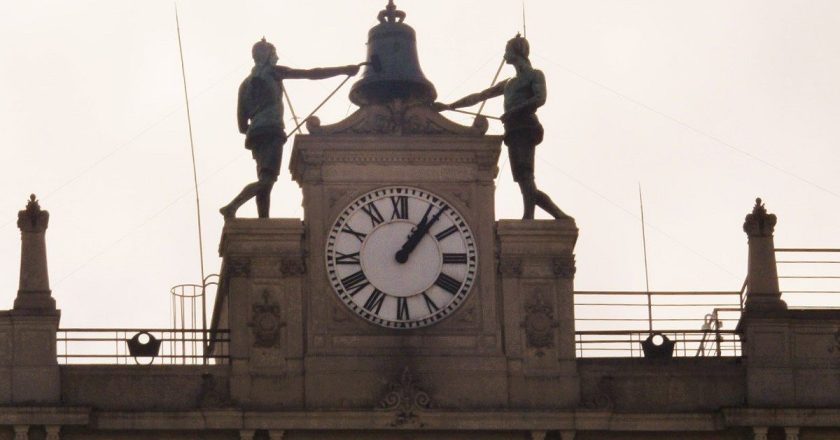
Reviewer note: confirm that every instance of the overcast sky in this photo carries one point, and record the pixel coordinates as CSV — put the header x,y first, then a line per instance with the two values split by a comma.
x,y
706,104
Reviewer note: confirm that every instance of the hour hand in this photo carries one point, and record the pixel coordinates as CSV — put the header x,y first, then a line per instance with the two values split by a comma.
x,y
419,231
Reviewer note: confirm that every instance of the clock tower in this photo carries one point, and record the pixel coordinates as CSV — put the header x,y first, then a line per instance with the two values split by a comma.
x,y
399,273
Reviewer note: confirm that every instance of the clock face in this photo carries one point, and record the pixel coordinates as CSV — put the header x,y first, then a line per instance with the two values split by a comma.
x,y
401,257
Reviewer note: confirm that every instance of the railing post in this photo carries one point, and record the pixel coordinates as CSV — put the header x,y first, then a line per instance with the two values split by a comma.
x,y
762,277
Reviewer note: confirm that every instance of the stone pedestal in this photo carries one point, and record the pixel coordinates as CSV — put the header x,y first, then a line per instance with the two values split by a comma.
x,y
34,291
260,299
537,267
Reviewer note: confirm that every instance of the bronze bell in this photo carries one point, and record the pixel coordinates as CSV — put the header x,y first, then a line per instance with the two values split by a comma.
x,y
392,70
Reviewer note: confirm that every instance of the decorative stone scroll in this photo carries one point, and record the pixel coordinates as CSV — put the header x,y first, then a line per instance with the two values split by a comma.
x,y
405,398
33,218
265,322
564,267
239,267
397,118
292,267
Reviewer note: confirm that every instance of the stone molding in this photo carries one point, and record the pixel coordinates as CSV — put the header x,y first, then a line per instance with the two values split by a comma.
x,y
238,267
397,118
564,267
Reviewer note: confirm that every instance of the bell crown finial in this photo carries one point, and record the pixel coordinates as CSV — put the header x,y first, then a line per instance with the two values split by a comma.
x,y
391,14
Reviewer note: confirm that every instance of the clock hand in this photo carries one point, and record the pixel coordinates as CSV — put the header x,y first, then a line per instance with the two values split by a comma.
x,y
419,231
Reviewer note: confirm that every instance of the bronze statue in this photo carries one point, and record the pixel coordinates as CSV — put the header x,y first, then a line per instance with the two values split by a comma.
x,y
261,103
523,94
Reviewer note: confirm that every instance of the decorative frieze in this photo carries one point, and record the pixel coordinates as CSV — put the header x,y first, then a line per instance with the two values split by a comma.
x,y
510,267
292,267
564,267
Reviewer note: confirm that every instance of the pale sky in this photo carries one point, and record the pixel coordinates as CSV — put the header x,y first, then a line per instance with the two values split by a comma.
x,y
705,104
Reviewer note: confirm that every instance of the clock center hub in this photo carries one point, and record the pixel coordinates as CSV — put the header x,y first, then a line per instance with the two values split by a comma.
x,y
379,263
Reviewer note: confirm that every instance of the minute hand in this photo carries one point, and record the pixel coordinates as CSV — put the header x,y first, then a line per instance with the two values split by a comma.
x,y
416,236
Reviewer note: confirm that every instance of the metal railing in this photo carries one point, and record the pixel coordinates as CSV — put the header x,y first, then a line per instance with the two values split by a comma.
x,y
614,324
140,346
809,277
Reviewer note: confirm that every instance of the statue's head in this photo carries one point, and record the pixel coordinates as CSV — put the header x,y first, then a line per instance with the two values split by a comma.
x,y
264,52
517,48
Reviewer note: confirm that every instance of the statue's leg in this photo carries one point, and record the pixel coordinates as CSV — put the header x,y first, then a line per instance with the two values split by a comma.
x,y
264,197
544,201
247,193
527,188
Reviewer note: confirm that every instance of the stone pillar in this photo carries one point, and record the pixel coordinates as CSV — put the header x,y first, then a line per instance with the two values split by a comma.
x,y
53,432
28,367
762,278
21,432
276,434
536,272
567,435
262,303
791,433
760,433
246,434
34,288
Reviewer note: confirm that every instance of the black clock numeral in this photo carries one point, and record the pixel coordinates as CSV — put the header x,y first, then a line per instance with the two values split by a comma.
x,y
374,301
373,212
402,308
355,282
448,283
361,236
351,258
430,304
454,258
446,232
400,205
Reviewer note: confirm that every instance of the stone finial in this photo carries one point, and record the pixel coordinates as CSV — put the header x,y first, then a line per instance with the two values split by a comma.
x,y
759,223
33,218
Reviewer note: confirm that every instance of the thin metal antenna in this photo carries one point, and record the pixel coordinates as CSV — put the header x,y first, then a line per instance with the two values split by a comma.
x,y
195,182
524,26
644,249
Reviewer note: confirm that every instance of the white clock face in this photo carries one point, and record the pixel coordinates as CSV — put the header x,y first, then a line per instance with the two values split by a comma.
x,y
401,257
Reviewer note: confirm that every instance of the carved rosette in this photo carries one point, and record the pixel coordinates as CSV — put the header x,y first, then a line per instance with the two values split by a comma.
x,y
539,325
292,267
239,267
397,118
265,322
564,267
33,218
759,223
405,398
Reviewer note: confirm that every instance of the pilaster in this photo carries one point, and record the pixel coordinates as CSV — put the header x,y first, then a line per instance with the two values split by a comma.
x,y
536,271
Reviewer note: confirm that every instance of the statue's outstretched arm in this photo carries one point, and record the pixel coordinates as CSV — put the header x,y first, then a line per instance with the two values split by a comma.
x,y
475,98
283,72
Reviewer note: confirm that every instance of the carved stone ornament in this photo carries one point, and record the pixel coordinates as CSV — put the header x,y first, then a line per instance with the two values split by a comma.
x,y
405,398
265,322
291,267
239,267
564,267
539,325
33,218
211,395
510,267
604,396
759,223
397,118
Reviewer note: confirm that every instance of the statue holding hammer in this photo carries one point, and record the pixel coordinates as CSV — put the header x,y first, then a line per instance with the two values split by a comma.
x,y
260,117
523,94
